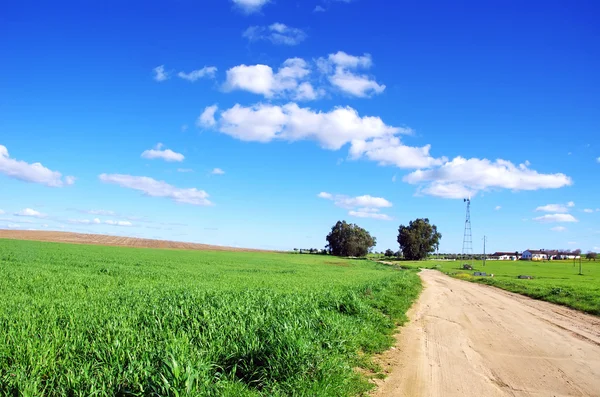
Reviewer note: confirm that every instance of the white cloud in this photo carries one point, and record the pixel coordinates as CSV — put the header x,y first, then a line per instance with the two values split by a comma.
x,y
325,195
118,223
13,226
340,69
333,129
570,204
588,210
154,188
276,33
207,118
556,218
167,154
184,128
319,9
100,212
389,150
30,212
464,176
250,6
217,171
35,172
498,208
553,208
2,212
373,215
365,206
572,242
558,229
289,81
160,74
598,160
446,190
207,71
185,170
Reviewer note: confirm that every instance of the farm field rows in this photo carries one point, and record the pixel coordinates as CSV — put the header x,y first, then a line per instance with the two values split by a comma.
x,y
554,281
105,321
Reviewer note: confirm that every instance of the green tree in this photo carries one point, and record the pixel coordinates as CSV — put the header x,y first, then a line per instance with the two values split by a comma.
x,y
348,239
389,252
591,256
418,239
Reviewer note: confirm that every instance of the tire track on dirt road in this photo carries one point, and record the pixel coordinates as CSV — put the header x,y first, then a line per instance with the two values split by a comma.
x,y
466,339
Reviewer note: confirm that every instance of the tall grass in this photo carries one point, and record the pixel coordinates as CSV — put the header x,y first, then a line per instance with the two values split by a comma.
x,y
104,321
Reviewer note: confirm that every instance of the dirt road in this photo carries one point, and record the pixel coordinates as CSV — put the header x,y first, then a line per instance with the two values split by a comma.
x,y
467,339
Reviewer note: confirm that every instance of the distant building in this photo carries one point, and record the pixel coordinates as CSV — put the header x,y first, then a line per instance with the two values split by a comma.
x,y
505,256
540,255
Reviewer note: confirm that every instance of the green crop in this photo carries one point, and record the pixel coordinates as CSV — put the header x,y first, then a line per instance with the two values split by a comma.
x,y
103,321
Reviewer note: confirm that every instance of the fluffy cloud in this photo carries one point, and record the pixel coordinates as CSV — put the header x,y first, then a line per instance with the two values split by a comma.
x,y
498,208
35,172
266,122
571,204
361,206
154,188
558,229
289,81
277,33
341,70
389,150
319,9
217,171
588,210
160,74
598,160
207,118
207,71
167,154
564,218
553,208
460,176
30,212
250,6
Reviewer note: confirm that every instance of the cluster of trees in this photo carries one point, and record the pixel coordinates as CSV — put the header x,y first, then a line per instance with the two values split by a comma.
x,y
417,240
591,256
310,251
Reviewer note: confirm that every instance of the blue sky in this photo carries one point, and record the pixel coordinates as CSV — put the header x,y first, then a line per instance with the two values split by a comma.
x,y
261,123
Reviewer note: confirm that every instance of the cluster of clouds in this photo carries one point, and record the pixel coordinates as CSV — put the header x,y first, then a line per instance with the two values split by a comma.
x,y
361,206
97,221
296,78
557,213
255,6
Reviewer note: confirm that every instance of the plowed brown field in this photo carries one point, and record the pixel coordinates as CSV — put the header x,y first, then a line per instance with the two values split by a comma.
x,y
101,239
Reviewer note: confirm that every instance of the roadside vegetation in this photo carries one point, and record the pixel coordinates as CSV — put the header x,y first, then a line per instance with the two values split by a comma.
x,y
106,321
553,281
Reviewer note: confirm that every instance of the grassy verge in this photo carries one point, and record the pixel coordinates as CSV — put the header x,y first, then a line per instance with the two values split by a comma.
x,y
556,281
105,321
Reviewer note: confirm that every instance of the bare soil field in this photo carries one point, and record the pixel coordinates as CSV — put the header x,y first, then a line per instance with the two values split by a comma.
x,y
101,239
466,339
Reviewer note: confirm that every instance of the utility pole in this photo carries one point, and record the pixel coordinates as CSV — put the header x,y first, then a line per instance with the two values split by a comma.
x,y
484,240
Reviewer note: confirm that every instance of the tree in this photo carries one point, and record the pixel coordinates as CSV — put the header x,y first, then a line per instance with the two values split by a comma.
x,y
347,239
418,239
591,256
389,252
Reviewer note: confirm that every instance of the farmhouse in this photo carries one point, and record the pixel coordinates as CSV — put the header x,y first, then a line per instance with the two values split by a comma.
x,y
540,255
505,256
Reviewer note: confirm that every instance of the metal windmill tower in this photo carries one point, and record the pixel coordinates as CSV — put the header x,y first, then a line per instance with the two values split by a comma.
x,y
467,250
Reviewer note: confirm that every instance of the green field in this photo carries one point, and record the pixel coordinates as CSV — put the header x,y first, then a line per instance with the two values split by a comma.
x,y
554,281
103,321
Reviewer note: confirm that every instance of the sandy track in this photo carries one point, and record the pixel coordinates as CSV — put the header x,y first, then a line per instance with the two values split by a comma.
x,y
467,339
101,239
